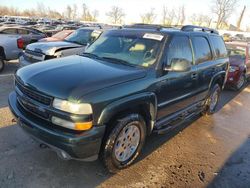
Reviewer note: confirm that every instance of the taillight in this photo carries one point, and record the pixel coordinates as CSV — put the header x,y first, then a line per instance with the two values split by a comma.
x,y
20,43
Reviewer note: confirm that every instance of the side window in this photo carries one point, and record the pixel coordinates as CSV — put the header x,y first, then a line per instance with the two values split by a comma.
x,y
219,46
9,31
23,32
180,48
202,50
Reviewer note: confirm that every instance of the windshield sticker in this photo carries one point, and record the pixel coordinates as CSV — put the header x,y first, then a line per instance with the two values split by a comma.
x,y
153,36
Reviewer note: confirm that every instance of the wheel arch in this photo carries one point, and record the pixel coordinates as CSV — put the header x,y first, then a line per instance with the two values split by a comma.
x,y
219,78
144,104
2,53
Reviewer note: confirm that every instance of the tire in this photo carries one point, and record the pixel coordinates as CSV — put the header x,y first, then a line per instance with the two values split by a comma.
x,y
2,64
212,100
241,82
127,137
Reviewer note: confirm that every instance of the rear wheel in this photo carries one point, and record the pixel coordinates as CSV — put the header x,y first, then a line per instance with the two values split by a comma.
x,y
212,100
124,143
241,82
1,64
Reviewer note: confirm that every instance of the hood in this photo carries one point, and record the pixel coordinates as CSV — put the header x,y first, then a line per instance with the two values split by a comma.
x,y
75,76
49,48
236,60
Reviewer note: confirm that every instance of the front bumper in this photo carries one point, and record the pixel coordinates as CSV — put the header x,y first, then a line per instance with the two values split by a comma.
x,y
84,146
232,78
23,62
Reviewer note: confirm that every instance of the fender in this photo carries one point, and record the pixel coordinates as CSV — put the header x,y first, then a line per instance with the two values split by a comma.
x,y
147,99
217,76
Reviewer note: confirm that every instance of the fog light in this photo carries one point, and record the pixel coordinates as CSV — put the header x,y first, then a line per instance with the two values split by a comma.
x,y
80,126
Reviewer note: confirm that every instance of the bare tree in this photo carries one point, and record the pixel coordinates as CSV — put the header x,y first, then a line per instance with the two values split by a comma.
x,y
74,12
148,17
87,15
240,18
41,10
69,11
95,15
173,16
201,20
183,15
223,10
180,16
116,15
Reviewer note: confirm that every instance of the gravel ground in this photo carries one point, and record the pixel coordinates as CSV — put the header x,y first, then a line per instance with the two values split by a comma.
x,y
209,151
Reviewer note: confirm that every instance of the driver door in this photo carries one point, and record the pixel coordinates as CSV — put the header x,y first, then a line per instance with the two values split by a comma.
x,y
176,90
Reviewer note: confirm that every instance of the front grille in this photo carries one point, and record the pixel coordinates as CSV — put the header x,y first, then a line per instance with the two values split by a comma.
x,y
38,54
34,95
30,59
33,109
33,56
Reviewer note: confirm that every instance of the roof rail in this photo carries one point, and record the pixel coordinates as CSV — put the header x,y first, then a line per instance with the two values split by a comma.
x,y
198,28
146,26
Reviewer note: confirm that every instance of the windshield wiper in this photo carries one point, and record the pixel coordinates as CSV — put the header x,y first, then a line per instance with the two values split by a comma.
x,y
90,55
120,61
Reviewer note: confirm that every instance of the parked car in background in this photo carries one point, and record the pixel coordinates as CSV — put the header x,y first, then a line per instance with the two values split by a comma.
x,y
58,36
10,48
28,35
49,30
129,83
73,44
66,27
239,58
227,37
239,37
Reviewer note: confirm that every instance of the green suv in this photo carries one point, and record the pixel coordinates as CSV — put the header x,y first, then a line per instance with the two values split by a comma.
x,y
128,83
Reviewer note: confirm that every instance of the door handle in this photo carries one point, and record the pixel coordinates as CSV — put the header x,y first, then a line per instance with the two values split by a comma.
x,y
194,76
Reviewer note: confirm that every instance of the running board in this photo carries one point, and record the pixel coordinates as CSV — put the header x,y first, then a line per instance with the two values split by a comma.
x,y
171,122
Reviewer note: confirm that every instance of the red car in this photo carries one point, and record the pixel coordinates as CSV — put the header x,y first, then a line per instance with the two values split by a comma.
x,y
239,59
58,36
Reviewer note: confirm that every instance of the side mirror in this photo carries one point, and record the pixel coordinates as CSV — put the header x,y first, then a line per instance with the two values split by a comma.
x,y
178,65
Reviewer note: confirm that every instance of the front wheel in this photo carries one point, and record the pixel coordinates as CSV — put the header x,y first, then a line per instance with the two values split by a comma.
x,y
212,100
124,143
1,64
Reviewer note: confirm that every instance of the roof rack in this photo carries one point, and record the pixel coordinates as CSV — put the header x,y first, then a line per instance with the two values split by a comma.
x,y
146,26
198,28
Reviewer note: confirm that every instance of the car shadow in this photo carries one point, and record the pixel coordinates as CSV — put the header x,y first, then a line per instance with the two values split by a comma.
x,y
228,95
235,172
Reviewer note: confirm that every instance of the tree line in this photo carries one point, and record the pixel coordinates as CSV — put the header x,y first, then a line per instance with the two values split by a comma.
x,y
221,11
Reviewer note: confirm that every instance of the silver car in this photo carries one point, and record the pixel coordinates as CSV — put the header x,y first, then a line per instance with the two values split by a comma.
x,y
74,44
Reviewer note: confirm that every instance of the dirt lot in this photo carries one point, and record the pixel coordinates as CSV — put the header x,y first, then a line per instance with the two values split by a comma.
x,y
208,152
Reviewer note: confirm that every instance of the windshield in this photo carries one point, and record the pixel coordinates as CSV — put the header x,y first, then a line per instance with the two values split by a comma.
x,y
135,50
81,37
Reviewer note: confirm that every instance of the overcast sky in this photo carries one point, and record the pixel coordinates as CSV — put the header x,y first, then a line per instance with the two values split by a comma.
x,y
132,8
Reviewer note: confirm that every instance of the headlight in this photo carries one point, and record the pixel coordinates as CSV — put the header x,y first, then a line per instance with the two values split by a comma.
x,y
74,108
233,69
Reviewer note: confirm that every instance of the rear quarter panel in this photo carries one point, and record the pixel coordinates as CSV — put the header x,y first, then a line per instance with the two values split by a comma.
x,y
9,43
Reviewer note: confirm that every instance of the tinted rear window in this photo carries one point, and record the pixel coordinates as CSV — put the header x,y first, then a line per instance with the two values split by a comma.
x,y
219,46
202,51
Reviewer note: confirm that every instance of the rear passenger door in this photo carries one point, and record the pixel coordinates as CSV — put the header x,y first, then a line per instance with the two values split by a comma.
x,y
204,64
